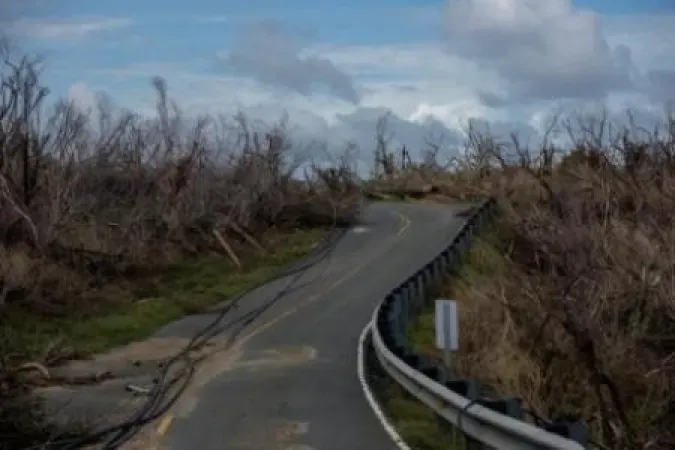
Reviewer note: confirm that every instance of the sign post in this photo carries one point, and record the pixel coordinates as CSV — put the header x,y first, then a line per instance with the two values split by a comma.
x,y
447,329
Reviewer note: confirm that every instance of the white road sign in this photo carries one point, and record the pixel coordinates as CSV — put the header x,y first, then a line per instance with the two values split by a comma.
x,y
447,325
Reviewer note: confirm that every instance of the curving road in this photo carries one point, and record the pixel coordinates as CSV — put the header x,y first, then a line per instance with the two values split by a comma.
x,y
290,382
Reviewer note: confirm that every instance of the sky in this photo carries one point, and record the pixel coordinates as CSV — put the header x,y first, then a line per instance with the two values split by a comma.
x,y
336,66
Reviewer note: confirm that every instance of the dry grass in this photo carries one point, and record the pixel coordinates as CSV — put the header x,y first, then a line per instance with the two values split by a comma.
x,y
569,302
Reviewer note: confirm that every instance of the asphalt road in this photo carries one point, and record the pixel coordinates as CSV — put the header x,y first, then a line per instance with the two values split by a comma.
x,y
290,382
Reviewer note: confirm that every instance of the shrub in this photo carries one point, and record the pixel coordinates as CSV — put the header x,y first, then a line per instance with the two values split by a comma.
x,y
579,319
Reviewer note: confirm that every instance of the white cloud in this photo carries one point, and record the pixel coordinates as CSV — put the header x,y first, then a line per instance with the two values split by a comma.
x,y
82,96
66,28
414,80
454,116
542,49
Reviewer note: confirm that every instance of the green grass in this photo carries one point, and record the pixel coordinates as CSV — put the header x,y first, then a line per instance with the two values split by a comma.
x,y
417,424
147,303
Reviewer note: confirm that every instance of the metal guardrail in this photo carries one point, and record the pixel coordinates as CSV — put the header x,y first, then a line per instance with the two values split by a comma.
x,y
485,423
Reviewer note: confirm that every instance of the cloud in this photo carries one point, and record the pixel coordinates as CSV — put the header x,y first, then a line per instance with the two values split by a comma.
x,y
649,35
359,127
82,97
435,83
543,50
66,28
272,56
661,85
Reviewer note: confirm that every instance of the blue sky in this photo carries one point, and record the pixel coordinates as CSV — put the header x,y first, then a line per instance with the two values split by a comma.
x,y
333,63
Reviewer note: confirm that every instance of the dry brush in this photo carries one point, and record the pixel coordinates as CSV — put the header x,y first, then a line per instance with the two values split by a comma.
x,y
91,197
571,302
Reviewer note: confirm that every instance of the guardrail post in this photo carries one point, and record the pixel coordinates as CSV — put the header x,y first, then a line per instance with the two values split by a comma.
x,y
399,345
406,300
399,307
438,273
414,295
469,389
463,244
575,431
395,317
421,290
453,259
472,444
428,273
445,261
470,229
431,281
512,407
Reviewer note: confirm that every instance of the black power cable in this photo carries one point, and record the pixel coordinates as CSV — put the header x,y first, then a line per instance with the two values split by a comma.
x,y
169,386
156,409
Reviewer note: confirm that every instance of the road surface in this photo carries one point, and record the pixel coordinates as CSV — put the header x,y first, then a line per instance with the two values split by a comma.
x,y
290,381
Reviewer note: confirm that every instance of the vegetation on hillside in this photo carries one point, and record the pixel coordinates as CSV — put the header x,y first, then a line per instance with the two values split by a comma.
x,y
568,301
112,224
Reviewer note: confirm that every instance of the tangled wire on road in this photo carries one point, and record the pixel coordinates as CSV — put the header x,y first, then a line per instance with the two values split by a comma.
x,y
177,372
